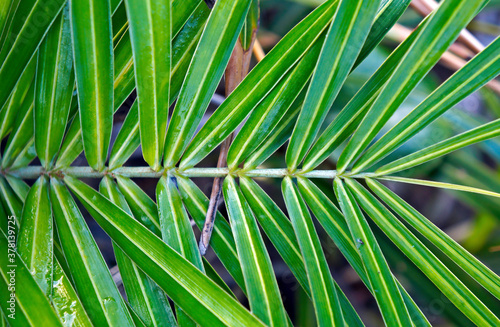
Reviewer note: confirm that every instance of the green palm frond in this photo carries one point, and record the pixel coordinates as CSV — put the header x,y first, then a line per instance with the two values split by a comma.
x,y
86,93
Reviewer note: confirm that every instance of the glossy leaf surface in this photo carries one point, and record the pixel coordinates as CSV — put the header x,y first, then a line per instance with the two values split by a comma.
x,y
93,56
151,30
261,285
91,276
54,89
185,284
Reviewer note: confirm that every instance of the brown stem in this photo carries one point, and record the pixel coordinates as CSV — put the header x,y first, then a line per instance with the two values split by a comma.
x,y
258,52
236,70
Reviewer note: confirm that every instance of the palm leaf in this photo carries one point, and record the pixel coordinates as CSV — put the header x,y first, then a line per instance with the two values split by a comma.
x,y
20,188
12,204
345,42
35,240
269,113
346,122
436,36
323,293
22,131
389,12
258,83
184,45
127,140
16,55
93,55
280,231
150,30
472,76
141,205
183,48
176,230
277,138
222,241
35,246
261,285
203,75
385,289
174,222
445,243
174,54
8,11
441,185
448,283
265,76
198,296
92,279
442,148
26,156
54,80
336,226
145,297
30,304
10,108
65,300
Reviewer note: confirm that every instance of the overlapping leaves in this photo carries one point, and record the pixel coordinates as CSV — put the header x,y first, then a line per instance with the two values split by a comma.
x,y
178,51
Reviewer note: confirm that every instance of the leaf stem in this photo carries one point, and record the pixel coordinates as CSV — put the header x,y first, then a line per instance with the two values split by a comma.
x,y
33,172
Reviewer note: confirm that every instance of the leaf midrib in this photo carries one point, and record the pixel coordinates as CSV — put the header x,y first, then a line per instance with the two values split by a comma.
x,y
53,95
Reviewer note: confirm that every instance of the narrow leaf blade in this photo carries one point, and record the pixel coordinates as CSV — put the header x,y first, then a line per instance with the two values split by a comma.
x,y
323,293
258,83
93,281
176,229
443,26
54,89
65,300
280,231
478,134
93,56
385,289
30,306
432,267
204,73
127,140
11,107
346,122
143,208
478,71
197,295
222,241
22,131
150,30
145,297
267,115
345,42
440,239
262,288
35,240
27,40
